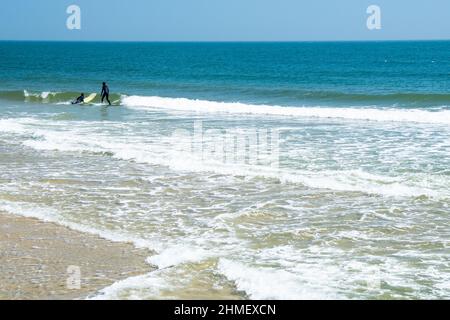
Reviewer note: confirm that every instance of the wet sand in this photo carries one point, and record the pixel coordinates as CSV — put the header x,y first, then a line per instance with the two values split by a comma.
x,y
35,257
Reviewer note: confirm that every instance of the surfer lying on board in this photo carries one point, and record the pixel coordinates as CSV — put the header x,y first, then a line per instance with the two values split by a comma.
x,y
79,100
105,92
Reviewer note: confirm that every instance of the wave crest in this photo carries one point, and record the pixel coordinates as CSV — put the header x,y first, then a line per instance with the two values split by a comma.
x,y
370,114
365,113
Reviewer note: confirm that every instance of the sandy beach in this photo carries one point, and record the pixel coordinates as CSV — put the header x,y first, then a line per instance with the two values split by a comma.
x,y
35,256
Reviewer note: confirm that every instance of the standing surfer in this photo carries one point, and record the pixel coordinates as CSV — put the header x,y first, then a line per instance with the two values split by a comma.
x,y
105,93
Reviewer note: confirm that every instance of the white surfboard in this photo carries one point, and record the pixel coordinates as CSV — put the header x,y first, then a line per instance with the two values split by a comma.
x,y
90,98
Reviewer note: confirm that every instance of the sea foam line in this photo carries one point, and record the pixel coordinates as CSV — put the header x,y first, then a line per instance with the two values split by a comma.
x,y
80,140
338,180
370,114
49,214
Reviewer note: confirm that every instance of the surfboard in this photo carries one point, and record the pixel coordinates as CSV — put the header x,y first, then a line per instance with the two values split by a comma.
x,y
90,98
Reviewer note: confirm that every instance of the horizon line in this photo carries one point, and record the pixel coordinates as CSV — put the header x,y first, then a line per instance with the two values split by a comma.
x,y
222,41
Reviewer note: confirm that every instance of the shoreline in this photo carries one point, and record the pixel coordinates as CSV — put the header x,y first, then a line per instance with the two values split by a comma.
x,y
35,257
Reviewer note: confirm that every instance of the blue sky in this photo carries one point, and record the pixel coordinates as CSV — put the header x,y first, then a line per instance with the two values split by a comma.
x,y
224,20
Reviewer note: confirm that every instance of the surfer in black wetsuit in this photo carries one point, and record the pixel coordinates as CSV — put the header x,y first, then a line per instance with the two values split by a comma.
x,y
105,93
79,100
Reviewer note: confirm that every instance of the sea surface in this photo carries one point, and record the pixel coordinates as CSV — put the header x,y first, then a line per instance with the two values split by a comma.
x,y
251,170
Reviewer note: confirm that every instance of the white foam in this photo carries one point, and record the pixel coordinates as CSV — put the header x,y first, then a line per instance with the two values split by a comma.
x,y
48,214
80,138
43,95
339,180
372,114
133,288
171,283
11,126
268,283
177,255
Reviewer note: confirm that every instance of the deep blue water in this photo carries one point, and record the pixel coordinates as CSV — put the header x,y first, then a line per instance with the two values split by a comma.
x,y
399,74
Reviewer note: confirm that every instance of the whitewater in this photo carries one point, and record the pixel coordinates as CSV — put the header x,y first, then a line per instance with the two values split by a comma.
x,y
223,240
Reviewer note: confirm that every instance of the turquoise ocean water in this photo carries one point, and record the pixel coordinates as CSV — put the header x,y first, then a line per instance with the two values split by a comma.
x,y
354,203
